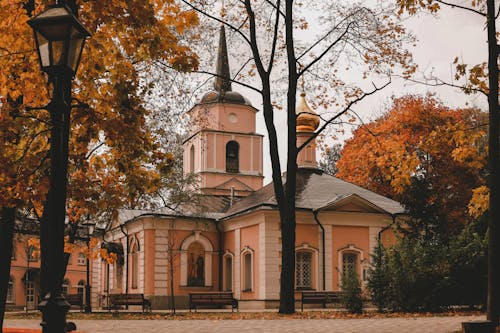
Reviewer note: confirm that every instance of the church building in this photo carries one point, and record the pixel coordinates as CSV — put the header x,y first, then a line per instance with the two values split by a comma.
x,y
231,240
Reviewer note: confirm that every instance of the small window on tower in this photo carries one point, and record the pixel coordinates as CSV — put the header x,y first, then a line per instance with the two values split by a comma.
x,y
232,157
191,159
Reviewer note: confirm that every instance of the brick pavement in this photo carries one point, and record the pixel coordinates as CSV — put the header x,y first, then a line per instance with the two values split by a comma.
x,y
384,325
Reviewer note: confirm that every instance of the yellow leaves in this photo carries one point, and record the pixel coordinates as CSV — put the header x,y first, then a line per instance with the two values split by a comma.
x,y
479,203
109,257
35,242
69,247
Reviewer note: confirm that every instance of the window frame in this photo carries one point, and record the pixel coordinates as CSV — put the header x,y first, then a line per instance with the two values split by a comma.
x,y
228,256
81,259
247,277
300,266
233,163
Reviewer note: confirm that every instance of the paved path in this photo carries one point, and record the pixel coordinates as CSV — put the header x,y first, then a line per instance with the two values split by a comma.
x,y
384,325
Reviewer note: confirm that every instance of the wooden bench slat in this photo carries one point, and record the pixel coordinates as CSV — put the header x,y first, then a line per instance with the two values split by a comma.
x,y
212,298
321,297
130,299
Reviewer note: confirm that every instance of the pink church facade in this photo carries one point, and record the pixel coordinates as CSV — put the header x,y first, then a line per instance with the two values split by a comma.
x,y
231,240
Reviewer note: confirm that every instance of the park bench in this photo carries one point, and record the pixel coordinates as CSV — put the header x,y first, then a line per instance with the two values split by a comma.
x,y
212,299
75,300
321,297
119,300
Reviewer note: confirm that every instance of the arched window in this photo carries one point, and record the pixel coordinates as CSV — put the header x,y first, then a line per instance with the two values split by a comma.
x,y
65,287
304,270
191,159
247,257
10,291
134,265
81,260
80,288
228,272
349,260
232,157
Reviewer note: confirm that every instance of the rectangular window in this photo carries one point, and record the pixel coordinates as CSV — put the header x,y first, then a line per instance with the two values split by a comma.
x,y
229,274
135,270
247,259
303,270
349,262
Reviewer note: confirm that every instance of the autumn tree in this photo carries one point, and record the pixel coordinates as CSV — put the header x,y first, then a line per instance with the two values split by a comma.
x,y
114,155
267,37
425,155
482,79
330,157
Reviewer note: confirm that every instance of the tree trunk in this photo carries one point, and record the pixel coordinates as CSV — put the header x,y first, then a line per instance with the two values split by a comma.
x,y
287,291
493,170
6,237
171,269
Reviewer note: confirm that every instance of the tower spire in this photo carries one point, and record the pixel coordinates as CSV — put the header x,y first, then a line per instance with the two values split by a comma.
x,y
222,81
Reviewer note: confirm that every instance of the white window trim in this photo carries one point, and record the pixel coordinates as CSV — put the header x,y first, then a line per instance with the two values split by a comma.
x,y
315,260
245,251
134,251
349,248
228,254
207,246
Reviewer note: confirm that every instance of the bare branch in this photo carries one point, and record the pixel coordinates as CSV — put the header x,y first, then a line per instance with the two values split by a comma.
x,y
325,51
452,5
232,27
253,40
214,74
341,113
441,83
276,7
327,34
94,149
275,38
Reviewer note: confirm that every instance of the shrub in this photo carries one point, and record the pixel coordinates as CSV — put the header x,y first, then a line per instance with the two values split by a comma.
x,y
351,287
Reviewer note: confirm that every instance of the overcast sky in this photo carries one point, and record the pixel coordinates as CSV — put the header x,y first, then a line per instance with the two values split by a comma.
x,y
441,38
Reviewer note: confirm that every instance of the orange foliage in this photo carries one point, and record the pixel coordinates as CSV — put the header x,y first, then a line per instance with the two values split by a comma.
x,y
112,150
419,137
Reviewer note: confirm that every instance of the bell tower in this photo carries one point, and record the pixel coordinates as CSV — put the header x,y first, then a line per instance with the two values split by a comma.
x,y
223,148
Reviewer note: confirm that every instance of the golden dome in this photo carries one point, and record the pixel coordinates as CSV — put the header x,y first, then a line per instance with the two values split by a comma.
x,y
307,119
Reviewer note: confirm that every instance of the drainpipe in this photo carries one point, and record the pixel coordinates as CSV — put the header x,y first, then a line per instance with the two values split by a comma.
x,y
221,246
126,266
393,216
315,213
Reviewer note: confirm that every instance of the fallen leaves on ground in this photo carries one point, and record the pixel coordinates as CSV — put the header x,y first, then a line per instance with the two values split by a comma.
x,y
215,316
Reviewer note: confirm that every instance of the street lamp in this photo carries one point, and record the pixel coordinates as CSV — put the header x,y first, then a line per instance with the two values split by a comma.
x,y
90,229
60,39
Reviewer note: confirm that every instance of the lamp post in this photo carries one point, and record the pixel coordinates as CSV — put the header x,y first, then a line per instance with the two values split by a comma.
x,y
88,305
60,39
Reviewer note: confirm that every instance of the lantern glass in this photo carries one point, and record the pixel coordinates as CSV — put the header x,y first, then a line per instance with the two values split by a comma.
x,y
76,43
43,50
60,39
